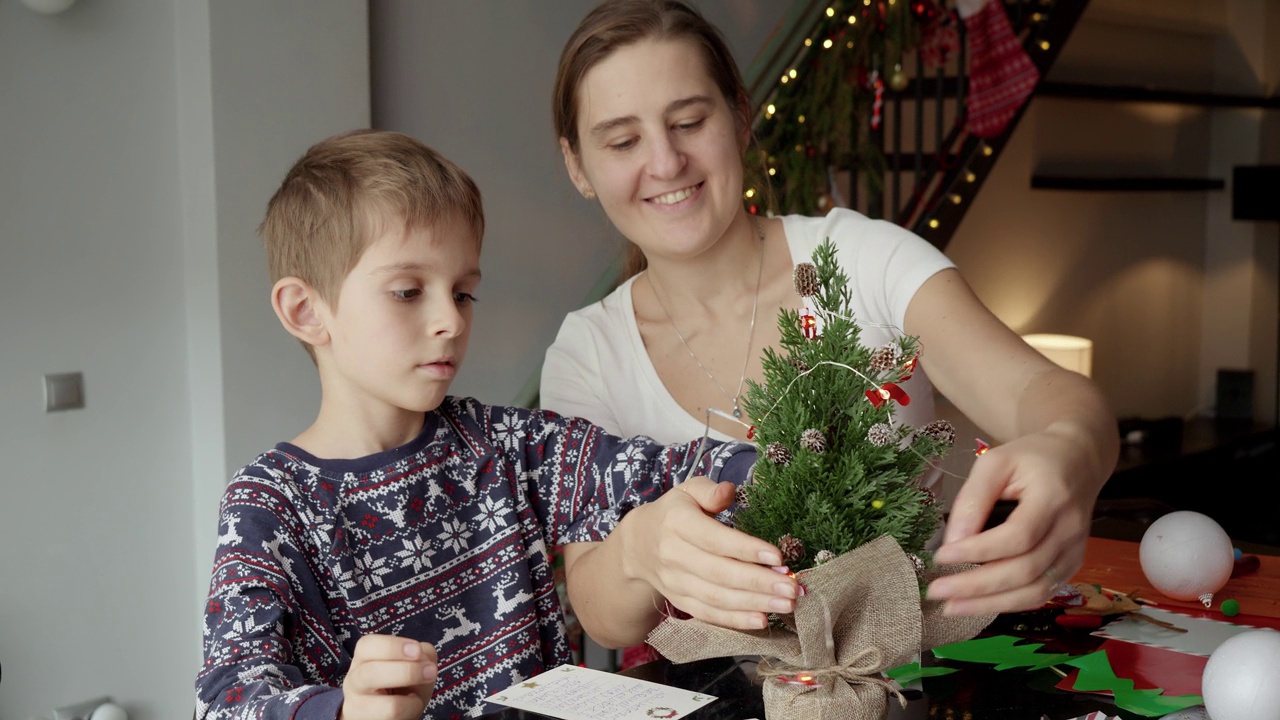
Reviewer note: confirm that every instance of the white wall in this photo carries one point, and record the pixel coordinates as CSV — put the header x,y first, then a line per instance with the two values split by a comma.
x,y
474,81
140,142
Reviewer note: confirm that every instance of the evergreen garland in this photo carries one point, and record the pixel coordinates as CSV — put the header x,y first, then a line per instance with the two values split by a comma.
x,y
859,482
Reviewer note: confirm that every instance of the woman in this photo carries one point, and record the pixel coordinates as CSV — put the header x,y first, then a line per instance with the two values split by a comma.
x,y
653,121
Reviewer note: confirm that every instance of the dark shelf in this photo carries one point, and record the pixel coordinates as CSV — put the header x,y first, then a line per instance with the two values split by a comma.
x,y
1122,93
1126,184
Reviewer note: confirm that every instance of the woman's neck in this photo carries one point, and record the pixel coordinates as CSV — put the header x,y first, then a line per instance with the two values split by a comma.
x,y
722,274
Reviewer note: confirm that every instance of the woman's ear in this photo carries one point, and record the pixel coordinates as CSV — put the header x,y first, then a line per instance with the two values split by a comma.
x,y
298,306
573,165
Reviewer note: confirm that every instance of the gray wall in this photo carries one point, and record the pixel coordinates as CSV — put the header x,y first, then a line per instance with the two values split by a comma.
x,y
139,142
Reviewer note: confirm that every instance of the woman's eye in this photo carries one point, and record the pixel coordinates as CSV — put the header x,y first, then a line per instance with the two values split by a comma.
x,y
463,298
691,125
623,144
408,294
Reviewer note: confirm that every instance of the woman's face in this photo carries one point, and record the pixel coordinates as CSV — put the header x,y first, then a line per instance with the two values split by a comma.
x,y
659,146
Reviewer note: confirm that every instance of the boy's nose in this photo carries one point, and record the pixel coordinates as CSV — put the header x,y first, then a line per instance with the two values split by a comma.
x,y
448,321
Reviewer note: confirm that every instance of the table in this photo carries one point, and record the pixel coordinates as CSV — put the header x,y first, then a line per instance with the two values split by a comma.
x,y
978,692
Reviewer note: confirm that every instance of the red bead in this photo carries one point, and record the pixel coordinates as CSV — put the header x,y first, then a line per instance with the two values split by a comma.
x,y
751,432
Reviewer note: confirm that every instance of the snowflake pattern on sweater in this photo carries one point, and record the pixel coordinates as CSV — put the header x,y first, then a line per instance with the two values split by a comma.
x,y
445,539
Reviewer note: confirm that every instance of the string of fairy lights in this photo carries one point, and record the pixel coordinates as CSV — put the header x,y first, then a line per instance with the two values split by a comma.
x,y
828,101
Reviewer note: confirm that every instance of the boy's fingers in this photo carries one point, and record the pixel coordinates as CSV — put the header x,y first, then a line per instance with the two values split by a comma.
x,y
389,675
389,647
398,707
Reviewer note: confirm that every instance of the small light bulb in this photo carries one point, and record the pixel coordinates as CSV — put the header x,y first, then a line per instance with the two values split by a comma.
x,y
955,198
1044,44
970,177
808,42
986,150
771,109
831,12
800,119
933,224
826,44
853,19
773,171
750,193
785,79
792,73
849,44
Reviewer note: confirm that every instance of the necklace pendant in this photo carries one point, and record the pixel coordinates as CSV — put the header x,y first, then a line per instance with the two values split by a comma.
x,y
737,411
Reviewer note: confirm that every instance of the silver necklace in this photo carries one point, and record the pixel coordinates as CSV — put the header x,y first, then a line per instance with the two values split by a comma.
x,y
751,331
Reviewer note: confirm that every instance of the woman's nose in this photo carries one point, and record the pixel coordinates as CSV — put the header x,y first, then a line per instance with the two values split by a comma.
x,y
665,158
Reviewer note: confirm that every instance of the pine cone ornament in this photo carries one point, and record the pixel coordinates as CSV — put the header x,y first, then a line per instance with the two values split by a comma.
x,y
885,357
880,434
823,556
797,363
778,454
940,430
917,562
930,496
740,497
791,547
813,440
805,279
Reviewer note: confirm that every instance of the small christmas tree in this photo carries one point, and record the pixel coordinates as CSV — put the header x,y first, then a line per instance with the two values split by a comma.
x,y
835,470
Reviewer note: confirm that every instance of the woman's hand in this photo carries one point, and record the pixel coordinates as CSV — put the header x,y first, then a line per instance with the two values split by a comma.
x,y
710,571
674,550
1040,545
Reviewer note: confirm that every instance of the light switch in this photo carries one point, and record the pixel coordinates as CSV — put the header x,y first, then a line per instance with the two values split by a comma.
x,y
63,391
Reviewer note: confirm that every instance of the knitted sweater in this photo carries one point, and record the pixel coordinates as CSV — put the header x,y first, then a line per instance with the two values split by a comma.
x,y
444,539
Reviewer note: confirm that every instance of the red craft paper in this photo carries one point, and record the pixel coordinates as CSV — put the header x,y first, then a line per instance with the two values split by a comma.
x,y
1150,667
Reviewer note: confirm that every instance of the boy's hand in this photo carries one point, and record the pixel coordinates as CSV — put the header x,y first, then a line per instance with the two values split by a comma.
x,y
391,678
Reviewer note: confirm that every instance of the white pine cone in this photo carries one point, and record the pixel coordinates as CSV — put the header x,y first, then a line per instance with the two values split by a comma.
x,y
880,434
917,561
778,454
791,547
886,357
823,556
740,497
813,440
805,279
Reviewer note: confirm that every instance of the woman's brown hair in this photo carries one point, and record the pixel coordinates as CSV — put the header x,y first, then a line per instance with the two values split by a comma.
x,y
618,23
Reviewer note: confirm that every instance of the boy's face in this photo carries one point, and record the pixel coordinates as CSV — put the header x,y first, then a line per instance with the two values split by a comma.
x,y
403,319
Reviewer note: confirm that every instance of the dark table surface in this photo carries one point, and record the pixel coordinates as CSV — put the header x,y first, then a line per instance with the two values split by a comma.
x,y
975,692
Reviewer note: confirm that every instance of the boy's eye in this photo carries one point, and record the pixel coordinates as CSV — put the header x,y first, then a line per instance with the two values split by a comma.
x,y
463,298
407,294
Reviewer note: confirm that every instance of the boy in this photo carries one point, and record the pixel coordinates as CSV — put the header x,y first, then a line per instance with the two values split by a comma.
x,y
395,553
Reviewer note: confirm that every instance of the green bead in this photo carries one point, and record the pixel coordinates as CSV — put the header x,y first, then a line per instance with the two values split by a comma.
x,y
1230,608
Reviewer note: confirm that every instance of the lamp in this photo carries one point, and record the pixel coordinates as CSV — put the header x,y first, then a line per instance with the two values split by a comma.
x,y
1068,351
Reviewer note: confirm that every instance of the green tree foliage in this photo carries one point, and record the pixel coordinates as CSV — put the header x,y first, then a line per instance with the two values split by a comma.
x,y
859,482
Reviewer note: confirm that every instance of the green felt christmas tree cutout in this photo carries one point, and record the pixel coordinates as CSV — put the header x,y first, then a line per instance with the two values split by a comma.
x,y
835,470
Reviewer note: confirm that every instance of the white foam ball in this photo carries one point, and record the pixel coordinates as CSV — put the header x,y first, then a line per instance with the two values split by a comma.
x,y
1187,556
1240,679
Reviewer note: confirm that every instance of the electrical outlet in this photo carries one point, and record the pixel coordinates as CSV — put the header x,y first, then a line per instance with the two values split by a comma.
x,y
79,711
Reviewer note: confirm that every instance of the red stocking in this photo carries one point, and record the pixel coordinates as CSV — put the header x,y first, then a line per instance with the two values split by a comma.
x,y
1001,76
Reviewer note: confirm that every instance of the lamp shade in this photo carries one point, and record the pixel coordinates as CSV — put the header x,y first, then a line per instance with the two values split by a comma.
x,y
1068,351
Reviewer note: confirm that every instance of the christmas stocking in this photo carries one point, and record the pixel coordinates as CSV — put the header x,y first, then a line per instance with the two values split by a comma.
x,y
1001,76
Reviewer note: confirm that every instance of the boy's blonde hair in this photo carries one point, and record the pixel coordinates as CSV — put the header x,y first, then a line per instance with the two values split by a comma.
x,y
345,191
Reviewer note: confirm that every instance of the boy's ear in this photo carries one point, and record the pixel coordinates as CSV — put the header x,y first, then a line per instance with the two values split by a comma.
x,y
574,166
297,304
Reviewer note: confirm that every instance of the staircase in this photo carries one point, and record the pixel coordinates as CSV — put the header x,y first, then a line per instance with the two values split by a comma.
x,y
923,167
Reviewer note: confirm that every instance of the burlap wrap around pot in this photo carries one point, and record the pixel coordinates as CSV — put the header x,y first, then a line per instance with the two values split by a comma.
x,y
861,614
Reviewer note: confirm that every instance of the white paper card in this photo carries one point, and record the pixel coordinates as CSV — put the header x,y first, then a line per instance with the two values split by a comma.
x,y
577,693
1199,636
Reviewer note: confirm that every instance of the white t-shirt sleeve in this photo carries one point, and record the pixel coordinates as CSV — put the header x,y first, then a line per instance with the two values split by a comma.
x,y
572,381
